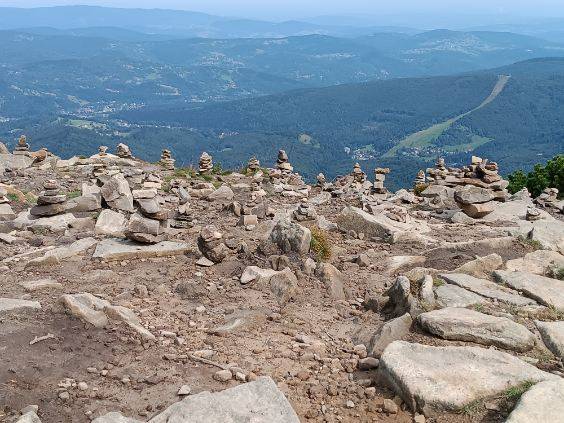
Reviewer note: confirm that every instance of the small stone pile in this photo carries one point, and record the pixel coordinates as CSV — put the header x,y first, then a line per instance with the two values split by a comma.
x,y
6,212
548,198
205,164
253,166
167,162
283,164
102,151
304,212
321,180
22,148
420,179
379,178
149,225
123,151
51,202
211,245
438,173
358,175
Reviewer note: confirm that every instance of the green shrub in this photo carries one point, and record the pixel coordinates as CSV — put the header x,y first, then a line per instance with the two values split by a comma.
x,y
549,176
320,244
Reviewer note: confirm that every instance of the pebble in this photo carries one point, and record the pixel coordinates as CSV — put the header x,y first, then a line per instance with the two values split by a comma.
x,y
83,386
223,375
350,404
33,407
184,390
390,407
201,309
419,418
368,363
64,395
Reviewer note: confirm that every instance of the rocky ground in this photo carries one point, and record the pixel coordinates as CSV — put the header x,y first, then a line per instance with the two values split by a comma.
x,y
360,307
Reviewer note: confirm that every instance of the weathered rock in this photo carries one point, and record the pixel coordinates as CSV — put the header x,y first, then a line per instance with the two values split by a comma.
x,y
211,245
461,324
256,275
41,284
426,292
552,334
86,307
478,211
540,262
401,301
114,249
486,289
128,317
258,402
433,379
544,402
6,212
115,417
291,237
62,253
547,291
11,304
283,285
454,296
110,223
223,193
333,280
481,267
117,194
29,417
391,331
472,195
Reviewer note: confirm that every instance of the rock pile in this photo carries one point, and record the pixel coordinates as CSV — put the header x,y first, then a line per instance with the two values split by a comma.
x,y
358,175
253,166
149,225
283,164
211,245
474,201
379,178
420,179
305,211
205,164
6,212
51,202
548,198
123,151
22,148
167,162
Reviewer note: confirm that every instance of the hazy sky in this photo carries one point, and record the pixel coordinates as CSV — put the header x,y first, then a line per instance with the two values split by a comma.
x,y
284,9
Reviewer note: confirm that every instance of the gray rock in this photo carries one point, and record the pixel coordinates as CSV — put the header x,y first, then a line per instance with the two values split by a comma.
x,y
540,262
547,291
85,203
254,274
62,253
333,279
115,249
117,194
544,403
433,379
6,212
29,417
257,402
283,285
14,304
291,236
223,193
481,267
86,307
552,334
128,317
41,284
472,195
486,289
455,296
110,223
400,299
426,291
115,417
391,331
461,324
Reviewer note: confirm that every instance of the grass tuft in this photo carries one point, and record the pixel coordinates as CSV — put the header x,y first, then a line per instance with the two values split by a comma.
x,y
320,244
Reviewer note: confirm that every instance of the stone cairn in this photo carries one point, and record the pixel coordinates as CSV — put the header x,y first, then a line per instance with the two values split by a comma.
x,y
548,198
102,151
283,164
358,175
420,179
304,212
253,166
123,151
439,173
205,164
321,180
149,225
22,148
211,245
167,162
379,178
51,202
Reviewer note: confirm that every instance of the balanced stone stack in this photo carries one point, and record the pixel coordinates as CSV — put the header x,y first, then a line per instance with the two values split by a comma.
x,y
439,173
102,151
474,201
167,162
22,148
321,180
379,178
548,198
283,164
51,202
6,212
123,151
210,243
205,164
149,225
248,217
420,179
253,166
304,212
358,175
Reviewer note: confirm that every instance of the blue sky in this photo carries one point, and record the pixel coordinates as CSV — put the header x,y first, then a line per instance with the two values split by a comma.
x,y
284,9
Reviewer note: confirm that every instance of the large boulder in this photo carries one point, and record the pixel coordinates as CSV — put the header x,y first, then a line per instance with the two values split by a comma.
x,y
222,194
110,223
434,379
291,236
540,262
462,324
481,267
547,291
257,402
544,402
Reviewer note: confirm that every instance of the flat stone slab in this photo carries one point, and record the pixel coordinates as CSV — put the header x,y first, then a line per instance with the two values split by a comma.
x,y
10,304
455,296
40,284
435,379
115,249
462,324
547,291
538,262
544,402
552,334
486,289
257,402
